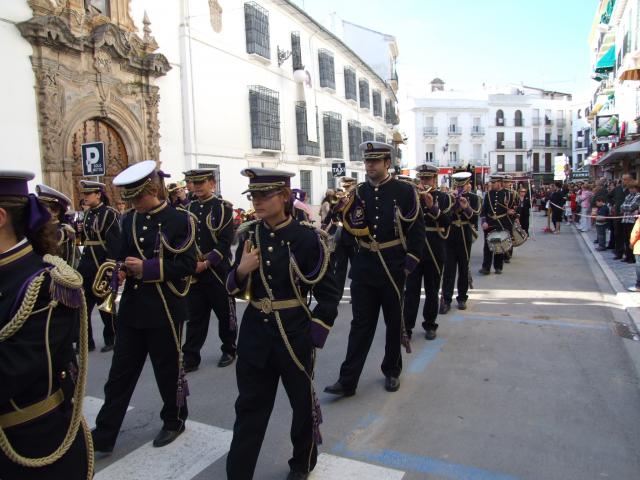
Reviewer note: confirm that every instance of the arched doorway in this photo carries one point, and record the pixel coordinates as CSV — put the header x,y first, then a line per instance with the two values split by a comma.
x,y
97,130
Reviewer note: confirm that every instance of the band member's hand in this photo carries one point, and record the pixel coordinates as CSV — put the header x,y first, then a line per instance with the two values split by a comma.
x,y
201,267
134,266
428,200
121,276
510,211
485,225
464,203
250,262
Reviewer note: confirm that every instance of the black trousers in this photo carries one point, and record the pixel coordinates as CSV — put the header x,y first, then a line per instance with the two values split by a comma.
x,y
342,256
257,387
366,301
203,298
456,262
108,319
619,237
429,272
488,256
626,238
130,353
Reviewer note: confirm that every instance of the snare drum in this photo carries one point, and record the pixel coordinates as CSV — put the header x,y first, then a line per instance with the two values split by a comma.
x,y
499,241
518,235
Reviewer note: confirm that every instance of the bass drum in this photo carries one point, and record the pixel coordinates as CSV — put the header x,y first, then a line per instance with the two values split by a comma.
x,y
499,241
518,235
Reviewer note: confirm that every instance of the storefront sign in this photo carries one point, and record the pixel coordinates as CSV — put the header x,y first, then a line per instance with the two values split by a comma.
x,y
607,129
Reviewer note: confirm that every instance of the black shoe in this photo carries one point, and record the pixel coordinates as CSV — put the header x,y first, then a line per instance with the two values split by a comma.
x,y
165,437
92,346
462,304
190,367
498,271
107,348
430,335
507,260
484,271
617,257
100,451
391,384
293,475
226,359
600,249
339,389
444,307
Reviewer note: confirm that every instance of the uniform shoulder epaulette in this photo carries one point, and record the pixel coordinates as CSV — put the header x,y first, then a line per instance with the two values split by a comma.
x,y
66,283
228,204
109,207
311,226
246,226
188,212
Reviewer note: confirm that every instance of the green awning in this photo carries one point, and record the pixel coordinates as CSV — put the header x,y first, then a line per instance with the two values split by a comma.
x,y
607,62
606,15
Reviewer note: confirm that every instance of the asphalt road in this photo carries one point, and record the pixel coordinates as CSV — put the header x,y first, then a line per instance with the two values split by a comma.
x,y
530,382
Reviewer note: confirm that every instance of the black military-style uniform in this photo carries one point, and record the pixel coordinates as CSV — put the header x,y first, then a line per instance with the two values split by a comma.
x,y
494,213
389,226
511,201
458,248
431,266
344,246
263,355
67,244
164,239
214,235
101,227
25,374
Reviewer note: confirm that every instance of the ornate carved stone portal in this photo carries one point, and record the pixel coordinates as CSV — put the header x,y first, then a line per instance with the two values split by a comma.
x,y
92,65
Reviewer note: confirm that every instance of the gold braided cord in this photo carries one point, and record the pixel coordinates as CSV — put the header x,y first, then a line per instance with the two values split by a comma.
x,y
417,212
293,265
88,439
66,276
192,238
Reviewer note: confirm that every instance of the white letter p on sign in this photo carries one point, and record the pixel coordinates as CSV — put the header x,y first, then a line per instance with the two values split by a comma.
x,y
93,156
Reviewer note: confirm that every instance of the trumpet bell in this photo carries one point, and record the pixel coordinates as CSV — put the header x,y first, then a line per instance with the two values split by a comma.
x,y
109,304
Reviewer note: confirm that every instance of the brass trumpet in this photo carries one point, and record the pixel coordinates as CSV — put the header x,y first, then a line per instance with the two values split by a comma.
x,y
101,287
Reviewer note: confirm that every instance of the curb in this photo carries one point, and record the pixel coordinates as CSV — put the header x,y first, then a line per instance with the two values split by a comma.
x,y
629,301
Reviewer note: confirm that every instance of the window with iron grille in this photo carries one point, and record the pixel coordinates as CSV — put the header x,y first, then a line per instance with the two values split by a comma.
x,y
332,128
350,92
380,137
305,184
331,180
365,101
305,147
327,71
256,27
296,51
216,174
367,134
390,116
500,163
377,103
264,105
519,163
355,138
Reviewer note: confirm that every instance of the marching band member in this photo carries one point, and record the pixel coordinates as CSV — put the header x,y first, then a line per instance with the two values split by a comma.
x,y
435,208
463,214
511,202
101,227
177,195
157,257
41,305
494,218
279,264
384,215
58,204
214,235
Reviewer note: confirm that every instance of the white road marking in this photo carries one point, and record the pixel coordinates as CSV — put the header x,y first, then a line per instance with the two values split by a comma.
x,y
193,451
330,467
91,406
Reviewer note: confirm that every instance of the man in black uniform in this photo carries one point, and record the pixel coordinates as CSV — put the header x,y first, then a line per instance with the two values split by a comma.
x,y
58,204
42,382
511,202
101,227
385,216
278,265
157,257
494,218
463,215
435,208
214,235
344,243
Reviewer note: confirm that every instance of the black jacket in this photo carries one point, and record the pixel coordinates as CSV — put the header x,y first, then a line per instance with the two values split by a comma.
x,y
494,210
101,227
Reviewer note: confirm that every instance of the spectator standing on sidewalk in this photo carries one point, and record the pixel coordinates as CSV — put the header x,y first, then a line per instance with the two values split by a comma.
x,y
630,209
524,209
619,193
602,221
635,244
585,208
556,202
572,203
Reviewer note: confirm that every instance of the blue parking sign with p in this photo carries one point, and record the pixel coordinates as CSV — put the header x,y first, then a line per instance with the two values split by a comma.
x,y
93,161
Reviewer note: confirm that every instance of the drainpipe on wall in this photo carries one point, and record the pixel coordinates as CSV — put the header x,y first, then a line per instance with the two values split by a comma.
x,y
190,148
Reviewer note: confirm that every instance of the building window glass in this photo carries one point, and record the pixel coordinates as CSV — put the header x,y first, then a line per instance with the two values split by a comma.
x,y
306,147
536,162
500,118
547,162
264,107
500,140
355,138
518,119
332,128
363,85
256,26
519,142
305,184
519,163
326,68
380,137
354,175
500,163
367,134
350,92
377,103
331,180
390,116
296,51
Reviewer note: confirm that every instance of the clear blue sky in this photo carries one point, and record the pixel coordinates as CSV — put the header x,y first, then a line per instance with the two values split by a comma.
x,y
542,43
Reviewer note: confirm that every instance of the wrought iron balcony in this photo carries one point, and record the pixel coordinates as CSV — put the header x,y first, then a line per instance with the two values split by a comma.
x,y
518,122
477,130
551,144
506,145
548,122
536,121
430,131
455,130
561,122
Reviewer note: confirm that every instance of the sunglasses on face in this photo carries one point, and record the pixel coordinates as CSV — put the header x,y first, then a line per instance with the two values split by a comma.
x,y
258,196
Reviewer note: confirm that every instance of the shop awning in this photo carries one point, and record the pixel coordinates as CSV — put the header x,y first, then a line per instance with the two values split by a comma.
x,y
630,150
607,62
595,111
630,71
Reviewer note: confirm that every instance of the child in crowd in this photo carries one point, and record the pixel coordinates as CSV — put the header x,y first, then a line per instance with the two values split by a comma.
x,y
602,220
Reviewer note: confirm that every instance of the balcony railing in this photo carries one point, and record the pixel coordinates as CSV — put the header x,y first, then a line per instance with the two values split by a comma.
x,y
518,122
536,121
551,144
477,161
430,131
548,122
560,122
580,145
477,130
455,130
505,145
